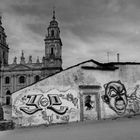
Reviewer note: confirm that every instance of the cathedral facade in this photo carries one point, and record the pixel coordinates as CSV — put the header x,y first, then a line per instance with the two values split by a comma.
x,y
19,75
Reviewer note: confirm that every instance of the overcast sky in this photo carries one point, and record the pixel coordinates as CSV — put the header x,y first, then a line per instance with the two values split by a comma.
x,y
89,28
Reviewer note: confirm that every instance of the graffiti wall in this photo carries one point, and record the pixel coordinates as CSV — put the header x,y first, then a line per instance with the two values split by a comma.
x,y
50,107
59,99
120,100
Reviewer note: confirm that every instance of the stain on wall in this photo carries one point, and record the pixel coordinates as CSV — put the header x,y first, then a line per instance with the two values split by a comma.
x,y
54,106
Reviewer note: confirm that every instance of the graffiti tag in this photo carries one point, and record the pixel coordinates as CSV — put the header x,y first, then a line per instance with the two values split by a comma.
x,y
36,102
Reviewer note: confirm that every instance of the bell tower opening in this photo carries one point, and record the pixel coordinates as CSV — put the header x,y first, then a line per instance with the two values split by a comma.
x,y
52,33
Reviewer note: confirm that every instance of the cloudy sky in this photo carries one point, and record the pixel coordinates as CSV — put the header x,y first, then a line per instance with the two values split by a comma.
x,y
89,28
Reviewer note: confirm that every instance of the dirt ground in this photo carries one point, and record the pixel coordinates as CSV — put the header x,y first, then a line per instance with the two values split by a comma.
x,y
119,129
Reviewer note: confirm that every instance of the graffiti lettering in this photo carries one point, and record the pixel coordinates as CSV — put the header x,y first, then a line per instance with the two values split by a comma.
x,y
55,100
61,111
44,102
32,102
36,102
47,117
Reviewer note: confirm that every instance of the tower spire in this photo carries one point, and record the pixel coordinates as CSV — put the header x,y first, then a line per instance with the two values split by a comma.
x,y
53,12
22,58
22,53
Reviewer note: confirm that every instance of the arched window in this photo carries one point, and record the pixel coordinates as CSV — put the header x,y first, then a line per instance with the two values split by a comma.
x,y
22,79
37,78
8,92
8,97
52,33
7,80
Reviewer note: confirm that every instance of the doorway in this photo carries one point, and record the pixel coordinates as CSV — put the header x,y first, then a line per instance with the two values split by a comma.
x,y
90,103
8,98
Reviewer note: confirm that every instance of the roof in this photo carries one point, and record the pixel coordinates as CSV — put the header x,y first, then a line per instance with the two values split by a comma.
x,y
22,67
121,63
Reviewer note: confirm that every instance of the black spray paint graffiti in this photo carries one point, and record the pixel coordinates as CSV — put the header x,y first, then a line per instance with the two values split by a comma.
x,y
115,96
88,102
70,97
46,117
35,103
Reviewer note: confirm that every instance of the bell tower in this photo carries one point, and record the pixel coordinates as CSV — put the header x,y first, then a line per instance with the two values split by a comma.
x,y
4,50
53,47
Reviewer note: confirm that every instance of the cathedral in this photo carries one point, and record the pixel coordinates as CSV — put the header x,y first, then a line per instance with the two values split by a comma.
x,y
19,75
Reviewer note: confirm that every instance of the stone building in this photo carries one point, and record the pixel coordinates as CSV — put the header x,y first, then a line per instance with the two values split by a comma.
x,y
18,75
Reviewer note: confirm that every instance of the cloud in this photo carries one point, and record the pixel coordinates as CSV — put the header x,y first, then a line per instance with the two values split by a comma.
x,y
89,29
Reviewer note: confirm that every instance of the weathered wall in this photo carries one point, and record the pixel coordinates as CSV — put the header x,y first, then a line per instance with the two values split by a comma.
x,y
65,86
7,110
53,100
58,98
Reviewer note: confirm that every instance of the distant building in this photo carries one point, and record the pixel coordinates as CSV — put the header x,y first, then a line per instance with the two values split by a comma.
x,y
16,76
